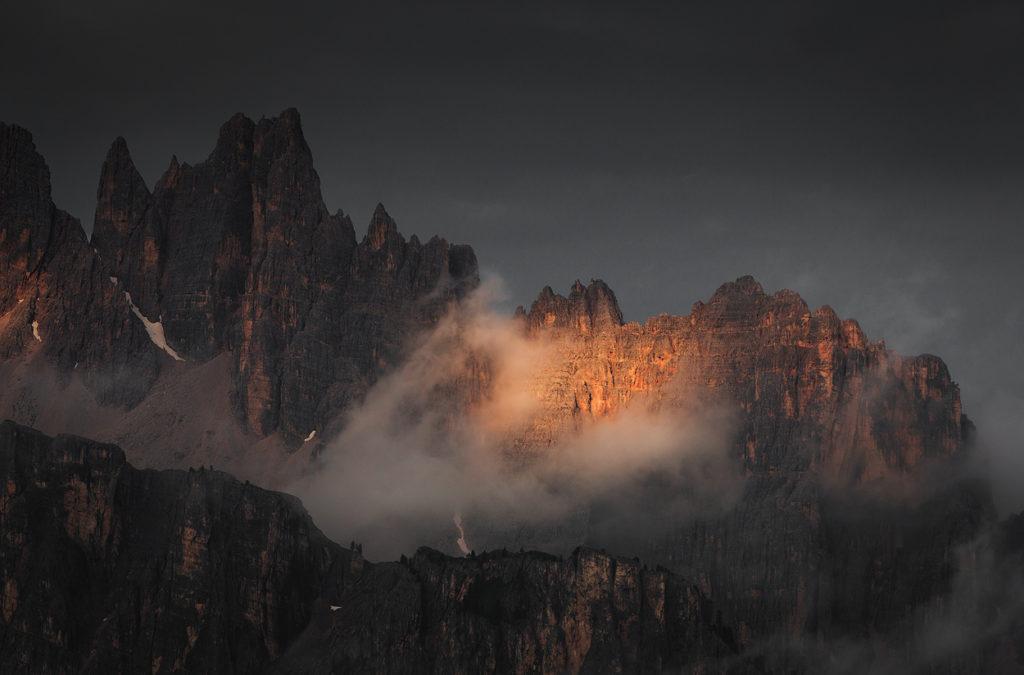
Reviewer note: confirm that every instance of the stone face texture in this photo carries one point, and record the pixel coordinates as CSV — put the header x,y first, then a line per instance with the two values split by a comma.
x,y
811,390
247,259
56,300
125,232
237,254
239,260
819,412
110,569
106,568
528,612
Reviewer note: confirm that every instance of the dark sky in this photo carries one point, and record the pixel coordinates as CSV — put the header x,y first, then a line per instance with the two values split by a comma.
x,y
868,155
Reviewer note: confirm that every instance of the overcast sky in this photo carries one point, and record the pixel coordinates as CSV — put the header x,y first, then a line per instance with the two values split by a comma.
x,y
868,155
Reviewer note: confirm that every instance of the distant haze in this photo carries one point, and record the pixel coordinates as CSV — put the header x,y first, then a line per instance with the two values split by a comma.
x,y
867,155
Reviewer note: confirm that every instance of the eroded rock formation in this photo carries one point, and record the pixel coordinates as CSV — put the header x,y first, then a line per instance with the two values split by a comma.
x,y
56,300
236,255
812,391
849,453
856,502
106,568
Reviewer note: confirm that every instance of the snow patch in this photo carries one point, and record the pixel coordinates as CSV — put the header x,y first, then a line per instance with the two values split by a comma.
x,y
35,331
154,328
312,435
461,541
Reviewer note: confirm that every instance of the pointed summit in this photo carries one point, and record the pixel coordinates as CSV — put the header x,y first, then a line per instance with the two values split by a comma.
x,y
588,308
26,208
24,174
602,305
121,201
234,141
291,118
118,167
744,287
382,228
282,135
119,151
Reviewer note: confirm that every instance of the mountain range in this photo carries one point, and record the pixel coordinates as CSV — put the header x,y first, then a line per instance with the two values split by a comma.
x,y
756,486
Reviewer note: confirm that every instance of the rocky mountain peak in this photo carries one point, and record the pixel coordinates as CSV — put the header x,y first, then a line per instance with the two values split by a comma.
x,y
234,141
118,151
235,255
588,308
382,229
743,288
31,227
602,306
25,204
121,201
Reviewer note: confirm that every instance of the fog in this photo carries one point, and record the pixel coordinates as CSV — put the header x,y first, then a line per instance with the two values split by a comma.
x,y
419,454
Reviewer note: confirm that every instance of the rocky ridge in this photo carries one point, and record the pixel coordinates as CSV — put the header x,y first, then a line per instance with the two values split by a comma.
x,y
236,255
107,568
856,497
828,426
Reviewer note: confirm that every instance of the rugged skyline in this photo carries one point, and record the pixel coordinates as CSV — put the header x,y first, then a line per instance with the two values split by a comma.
x,y
700,469
869,157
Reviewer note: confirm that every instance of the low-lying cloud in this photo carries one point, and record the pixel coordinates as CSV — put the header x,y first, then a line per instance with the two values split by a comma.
x,y
440,438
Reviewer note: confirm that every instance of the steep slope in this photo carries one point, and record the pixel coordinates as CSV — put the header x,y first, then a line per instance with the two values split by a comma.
x,y
227,317
57,304
813,392
526,612
106,568
239,254
856,491
236,256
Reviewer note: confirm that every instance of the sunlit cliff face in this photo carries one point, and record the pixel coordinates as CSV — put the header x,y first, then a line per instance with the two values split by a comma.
x,y
811,390
490,421
532,420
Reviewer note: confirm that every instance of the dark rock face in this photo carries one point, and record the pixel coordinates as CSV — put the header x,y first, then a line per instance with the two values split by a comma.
x,y
110,569
587,309
854,509
1002,643
240,254
55,296
811,391
236,254
529,612
105,568
848,517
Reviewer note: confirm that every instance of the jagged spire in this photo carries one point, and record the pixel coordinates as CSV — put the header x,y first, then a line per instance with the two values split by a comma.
x,y
121,200
234,141
602,305
588,307
744,287
382,228
26,208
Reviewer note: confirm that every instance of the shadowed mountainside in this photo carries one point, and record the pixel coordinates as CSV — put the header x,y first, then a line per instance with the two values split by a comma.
x,y
235,256
226,317
106,568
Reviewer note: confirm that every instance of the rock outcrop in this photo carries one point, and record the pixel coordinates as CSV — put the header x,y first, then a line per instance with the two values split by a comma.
x,y
855,495
811,390
236,255
106,568
227,314
240,254
57,303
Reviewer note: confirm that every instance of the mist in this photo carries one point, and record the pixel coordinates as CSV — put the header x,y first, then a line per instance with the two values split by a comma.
x,y
420,461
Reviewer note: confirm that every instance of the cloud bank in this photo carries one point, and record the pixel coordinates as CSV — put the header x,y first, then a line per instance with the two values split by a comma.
x,y
434,442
